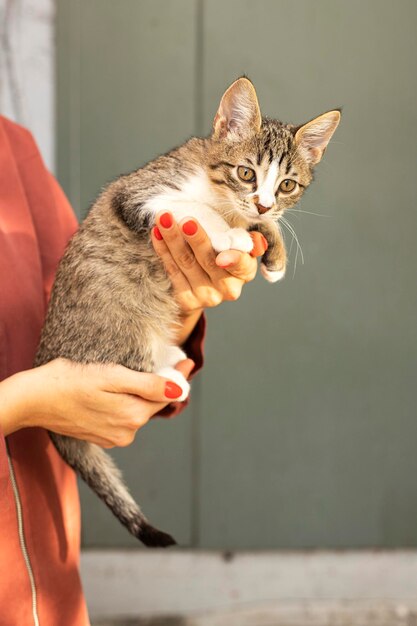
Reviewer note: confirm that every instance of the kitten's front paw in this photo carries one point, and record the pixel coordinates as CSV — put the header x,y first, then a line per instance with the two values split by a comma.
x,y
233,239
220,241
240,240
272,276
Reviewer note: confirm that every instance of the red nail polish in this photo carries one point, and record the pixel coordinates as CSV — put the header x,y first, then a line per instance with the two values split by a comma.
x,y
190,228
166,220
172,390
157,233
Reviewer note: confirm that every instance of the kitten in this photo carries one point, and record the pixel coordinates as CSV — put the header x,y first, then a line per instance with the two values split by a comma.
x,y
112,301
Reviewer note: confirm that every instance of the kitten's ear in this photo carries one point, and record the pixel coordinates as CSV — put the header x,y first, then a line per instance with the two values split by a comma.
x,y
238,112
313,137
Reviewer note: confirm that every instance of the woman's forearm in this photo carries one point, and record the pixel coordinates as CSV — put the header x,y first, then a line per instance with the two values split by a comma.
x,y
104,404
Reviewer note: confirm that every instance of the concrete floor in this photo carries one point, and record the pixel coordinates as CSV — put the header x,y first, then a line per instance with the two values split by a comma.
x,y
313,588
326,614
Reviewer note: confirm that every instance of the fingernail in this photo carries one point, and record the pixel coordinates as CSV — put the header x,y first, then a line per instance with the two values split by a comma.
x,y
166,220
172,390
224,265
190,228
157,233
265,243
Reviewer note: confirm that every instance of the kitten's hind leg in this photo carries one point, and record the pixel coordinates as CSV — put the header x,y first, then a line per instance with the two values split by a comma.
x,y
165,363
274,260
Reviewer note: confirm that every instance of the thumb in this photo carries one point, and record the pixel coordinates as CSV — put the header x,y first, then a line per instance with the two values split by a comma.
x,y
185,367
147,386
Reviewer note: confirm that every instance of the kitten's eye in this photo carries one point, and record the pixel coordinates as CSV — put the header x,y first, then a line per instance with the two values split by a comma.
x,y
287,185
246,174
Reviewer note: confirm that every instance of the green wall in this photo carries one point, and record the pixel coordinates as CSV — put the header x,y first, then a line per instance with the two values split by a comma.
x,y
302,430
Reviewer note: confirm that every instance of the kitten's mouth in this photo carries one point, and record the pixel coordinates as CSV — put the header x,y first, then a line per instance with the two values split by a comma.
x,y
262,209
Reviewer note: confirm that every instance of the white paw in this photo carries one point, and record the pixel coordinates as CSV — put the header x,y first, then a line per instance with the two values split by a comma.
x,y
233,239
240,240
220,241
173,355
272,277
178,378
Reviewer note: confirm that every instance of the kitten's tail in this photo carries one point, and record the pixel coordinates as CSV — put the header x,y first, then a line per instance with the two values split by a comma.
x,y
100,473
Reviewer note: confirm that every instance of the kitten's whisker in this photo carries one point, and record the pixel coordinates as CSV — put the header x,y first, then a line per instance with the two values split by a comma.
x,y
291,244
292,241
298,245
229,212
296,252
290,226
308,212
233,207
294,234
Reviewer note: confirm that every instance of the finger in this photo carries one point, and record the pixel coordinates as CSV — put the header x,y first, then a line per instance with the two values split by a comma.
x,y
201,246
178,279
148,386
260,244
233,257
103,443
185,367
181,252
238,264
228,258
223,285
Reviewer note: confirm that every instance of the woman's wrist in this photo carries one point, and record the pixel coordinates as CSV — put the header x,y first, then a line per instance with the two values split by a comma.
x,y
13,400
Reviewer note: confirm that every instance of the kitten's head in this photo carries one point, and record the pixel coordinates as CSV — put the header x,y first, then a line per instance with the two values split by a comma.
x,y
258,166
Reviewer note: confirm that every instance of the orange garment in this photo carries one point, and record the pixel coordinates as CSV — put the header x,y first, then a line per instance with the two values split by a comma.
x,y
36,222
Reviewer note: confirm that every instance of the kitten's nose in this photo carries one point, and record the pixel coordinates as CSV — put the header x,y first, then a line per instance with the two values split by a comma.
x,y
262,209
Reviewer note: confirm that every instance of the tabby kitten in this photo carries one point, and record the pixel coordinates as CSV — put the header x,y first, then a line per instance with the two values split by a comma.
x,y
112,301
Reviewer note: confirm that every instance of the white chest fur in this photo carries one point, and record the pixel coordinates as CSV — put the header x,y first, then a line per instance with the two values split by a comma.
x,y
196,199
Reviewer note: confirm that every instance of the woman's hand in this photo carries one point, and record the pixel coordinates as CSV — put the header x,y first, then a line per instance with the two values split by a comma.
x,y
104,404
200,277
